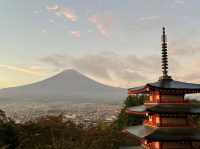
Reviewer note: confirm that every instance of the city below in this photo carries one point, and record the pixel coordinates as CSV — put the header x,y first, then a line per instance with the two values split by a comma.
x,y
87,114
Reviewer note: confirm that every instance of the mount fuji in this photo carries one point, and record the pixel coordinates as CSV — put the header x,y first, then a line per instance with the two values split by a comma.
x,y
69,85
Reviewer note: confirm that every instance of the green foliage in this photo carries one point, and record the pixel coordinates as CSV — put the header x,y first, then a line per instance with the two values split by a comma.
x,y
126,120
135,100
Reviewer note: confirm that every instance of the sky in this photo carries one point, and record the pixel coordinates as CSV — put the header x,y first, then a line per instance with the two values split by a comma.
x,y
116,42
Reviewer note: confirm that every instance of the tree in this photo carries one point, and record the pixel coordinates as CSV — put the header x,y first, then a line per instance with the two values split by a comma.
x,y
8,132
3,117
123,118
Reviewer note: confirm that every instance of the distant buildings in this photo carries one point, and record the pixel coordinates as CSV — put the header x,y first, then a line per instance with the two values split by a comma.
x,y
86,113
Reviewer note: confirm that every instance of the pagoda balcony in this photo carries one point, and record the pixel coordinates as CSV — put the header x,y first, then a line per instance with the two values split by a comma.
x,y
176,125
152,124
186,101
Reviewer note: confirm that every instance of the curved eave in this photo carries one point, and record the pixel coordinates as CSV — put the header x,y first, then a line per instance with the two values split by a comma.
x,y
167,86
175,109
175,90
164,134
174,134
140,131
192,109
138,90
137,110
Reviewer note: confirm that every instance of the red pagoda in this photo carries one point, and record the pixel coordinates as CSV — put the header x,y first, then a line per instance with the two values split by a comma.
x,y
169,120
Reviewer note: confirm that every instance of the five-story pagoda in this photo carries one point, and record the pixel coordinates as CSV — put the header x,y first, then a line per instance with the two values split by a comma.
x,y
169,123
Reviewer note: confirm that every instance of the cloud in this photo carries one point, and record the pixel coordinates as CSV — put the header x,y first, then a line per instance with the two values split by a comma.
x,y
53,8
68,13
125,71
76,34
149,18
176,3
63,11
102,23
110,67
183,48
180,2
44,31
183,51
192,71
33,70
57,60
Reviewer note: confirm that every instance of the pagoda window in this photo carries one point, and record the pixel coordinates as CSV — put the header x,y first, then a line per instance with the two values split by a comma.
x,y
157,97
150,118
151,98
157,145
154,97
157,120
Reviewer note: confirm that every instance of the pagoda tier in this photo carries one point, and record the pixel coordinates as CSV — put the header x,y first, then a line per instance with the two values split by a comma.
x,y
153,134
169,122
168,86
166,138
191,109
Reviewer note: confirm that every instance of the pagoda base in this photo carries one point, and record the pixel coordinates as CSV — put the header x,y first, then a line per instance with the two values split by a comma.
x,y
133,147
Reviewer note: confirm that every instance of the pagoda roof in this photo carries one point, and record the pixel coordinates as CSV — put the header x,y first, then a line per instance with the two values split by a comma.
x,y
140,131
137,110
166,85
165,133
175,109
166,109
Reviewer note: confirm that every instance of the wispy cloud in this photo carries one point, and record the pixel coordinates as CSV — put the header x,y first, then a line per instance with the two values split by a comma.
x,y
149,18
76,34
53,8
110,67
63,11
125,71
176,3
33,70
179,2
57,60
102,23
183,49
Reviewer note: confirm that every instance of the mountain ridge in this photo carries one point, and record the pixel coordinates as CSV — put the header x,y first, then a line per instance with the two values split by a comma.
x,y
67,85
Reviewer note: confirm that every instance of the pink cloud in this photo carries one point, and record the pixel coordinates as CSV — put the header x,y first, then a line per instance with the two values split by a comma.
x,y
103,24
69,14
63,11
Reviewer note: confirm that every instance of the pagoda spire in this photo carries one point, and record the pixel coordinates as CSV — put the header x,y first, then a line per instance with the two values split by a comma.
x,y
164,56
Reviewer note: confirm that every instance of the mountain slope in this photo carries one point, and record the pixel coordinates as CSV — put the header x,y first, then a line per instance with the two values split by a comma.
x,y
68,85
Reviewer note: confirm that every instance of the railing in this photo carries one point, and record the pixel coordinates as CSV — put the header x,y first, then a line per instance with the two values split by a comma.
x,y
174,125
165,101
191,122
146,122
